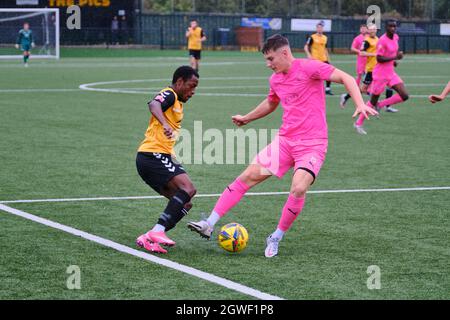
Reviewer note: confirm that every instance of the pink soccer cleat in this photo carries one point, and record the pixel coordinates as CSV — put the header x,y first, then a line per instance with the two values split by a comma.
x,y
160,238
144,242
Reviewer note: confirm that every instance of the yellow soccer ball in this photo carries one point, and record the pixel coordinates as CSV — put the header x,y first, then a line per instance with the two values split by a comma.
x,y
233,237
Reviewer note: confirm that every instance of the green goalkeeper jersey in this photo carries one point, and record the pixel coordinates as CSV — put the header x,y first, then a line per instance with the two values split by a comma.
x,y
25,37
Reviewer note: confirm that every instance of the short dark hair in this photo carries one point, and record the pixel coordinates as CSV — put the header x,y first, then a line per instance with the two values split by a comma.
x,y
363,25
274,42
184,72
389,21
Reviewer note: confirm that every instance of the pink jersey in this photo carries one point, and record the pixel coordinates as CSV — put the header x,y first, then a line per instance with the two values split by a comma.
x,y
387,48
360,60
302,95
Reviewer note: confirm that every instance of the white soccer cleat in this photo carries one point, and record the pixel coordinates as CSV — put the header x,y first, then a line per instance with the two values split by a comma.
x,y
342,101
391,109
272,246
359,129
202,228
26,65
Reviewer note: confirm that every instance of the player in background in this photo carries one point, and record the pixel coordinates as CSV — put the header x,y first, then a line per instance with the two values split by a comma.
x,y
360,61
437,98
156,162
384,74
316,48
369,49
195,36
25,42
302,140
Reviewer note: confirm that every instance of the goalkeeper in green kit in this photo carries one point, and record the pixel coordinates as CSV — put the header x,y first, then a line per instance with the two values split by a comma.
x,y
25,42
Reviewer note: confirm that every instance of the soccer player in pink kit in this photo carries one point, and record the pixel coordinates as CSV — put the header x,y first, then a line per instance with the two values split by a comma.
x,y
360,61
302,140
384,74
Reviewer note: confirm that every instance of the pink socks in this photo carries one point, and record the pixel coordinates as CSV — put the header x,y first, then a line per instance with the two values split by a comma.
x,y
361,117
390,101
230,197
291,210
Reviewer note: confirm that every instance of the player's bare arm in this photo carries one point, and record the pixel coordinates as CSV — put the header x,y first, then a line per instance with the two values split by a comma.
x,y
382,59
156,110
308,53
349,82
188,32
263,109
307,49
367,54
437,98
355,50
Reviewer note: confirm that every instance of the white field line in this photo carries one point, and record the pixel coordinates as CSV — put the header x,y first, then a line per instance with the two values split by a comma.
x,y
213,195
139,62
94,87
37,90
149,90
263,86
163,262
205,94
199,94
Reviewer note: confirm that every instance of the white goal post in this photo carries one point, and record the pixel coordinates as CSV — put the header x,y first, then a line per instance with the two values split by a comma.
x,y
44,24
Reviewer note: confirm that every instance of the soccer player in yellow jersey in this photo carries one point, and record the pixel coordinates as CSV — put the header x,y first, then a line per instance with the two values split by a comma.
x,y
155,159
195,36
316,48
369,49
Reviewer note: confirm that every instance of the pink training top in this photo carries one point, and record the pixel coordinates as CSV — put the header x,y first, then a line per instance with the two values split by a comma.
x,y
302,95
387,48
356,44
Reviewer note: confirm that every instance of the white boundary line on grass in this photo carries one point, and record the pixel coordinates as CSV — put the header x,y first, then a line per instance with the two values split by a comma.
x,y
94,87
164,262
212,195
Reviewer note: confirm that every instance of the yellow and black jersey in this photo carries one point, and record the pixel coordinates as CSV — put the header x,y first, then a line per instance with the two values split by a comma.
x,y
194,39
370,45
155,139
318,46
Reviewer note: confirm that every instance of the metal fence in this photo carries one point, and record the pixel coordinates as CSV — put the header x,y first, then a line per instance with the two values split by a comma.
x,y
164,37
167,31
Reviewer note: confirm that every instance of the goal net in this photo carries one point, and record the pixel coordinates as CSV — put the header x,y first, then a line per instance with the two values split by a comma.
x,y
44,24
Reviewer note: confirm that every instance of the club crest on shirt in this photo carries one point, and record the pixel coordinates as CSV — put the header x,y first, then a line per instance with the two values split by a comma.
x,y
291,98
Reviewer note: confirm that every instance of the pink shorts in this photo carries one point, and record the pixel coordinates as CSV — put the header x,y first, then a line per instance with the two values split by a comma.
x,y
283,154
379,84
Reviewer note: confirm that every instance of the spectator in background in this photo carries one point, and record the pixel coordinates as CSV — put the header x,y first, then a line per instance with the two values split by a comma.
x,y
124,34
115,30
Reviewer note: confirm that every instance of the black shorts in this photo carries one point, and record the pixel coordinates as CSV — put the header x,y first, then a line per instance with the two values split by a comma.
x,y
157,169
367,78
196,54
